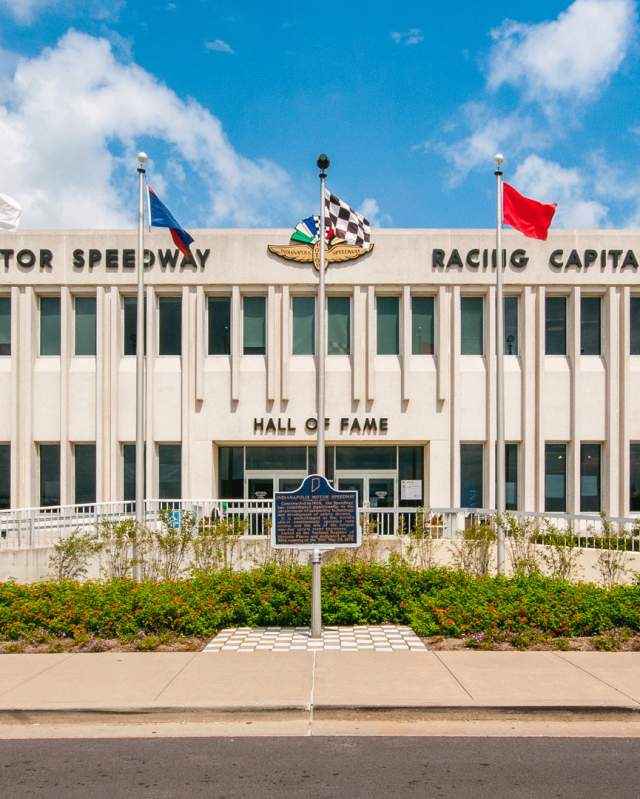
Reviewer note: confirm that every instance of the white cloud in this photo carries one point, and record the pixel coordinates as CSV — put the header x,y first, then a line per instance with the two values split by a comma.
x,y
547,181
370,209
409,37
572,57
25,11
74,117
220,46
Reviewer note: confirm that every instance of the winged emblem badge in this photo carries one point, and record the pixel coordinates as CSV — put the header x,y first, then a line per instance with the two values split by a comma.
x,y
304,247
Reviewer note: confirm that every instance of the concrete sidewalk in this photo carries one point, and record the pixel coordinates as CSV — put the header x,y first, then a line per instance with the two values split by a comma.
x,y
188,684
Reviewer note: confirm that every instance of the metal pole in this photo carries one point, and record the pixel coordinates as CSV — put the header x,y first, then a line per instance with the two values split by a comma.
x,y
500,444
316,555
140,363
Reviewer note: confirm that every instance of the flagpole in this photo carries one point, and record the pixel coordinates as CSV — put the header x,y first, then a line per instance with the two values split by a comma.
x,y
500,442
316,555
140,363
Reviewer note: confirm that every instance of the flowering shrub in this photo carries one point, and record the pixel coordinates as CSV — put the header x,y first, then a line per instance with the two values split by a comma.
x,y
433,601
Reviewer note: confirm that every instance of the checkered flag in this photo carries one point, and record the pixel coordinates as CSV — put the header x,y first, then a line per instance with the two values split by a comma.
x,y
348,225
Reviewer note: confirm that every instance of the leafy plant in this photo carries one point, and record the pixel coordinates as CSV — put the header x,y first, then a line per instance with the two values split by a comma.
x,y
520,538
473,552
71,555
561,555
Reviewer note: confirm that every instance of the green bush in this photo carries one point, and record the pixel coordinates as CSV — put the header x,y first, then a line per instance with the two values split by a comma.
x,y
433,601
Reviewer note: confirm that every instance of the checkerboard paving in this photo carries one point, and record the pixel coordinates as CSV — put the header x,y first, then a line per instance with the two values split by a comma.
x,y
384,638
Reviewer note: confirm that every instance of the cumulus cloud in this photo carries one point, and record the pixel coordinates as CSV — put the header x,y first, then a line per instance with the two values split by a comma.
x,y
408,38
219,46
25,11
572,56
548,181
370,209
75,114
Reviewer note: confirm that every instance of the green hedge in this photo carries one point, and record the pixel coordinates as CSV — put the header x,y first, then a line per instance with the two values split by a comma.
x,y
434,602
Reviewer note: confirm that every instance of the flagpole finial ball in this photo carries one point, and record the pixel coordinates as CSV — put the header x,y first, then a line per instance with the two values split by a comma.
x,y
499,158
323,162
142,158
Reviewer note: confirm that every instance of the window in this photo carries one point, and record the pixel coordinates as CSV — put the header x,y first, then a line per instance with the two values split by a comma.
x,y
231,470
472,326
49,325
555,478
635,325
254,321
422,325
5,325
339,325
304,325
555,325
411,467
170,313
130,305
590,323
361,458
5,476
590,478
388,312
634,477
85,308
49,474
85,473
129,472
219,325
511,476
275,458
510,329
169,471
471,474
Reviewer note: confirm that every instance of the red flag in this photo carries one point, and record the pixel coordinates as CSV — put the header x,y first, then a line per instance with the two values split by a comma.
x,y
528,216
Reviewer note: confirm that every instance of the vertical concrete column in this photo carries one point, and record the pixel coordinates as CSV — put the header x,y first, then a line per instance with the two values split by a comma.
x,y
624,441
358,339
66,348
443,343
201,341
454,464
611,342
116,348
490,345
17,324
187,384
272,338
236,342
527,347
371,343
285,343
28,493
102,416
405,344
152,349
573,454
540,430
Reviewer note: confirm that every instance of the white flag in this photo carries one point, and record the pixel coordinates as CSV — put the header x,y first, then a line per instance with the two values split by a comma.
x,y
10,212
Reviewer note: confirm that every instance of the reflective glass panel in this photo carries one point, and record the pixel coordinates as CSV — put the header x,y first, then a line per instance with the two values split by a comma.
x,y
422,325
590,477
49,325
366,458
304,325
85,308
169,471
388,319
85,473
219,325
634,477
590,324
5,476
471,475
254,325
130,333
511,325
339,325
555,478
555,325
170,322
49,474
5,325
511,476
472,325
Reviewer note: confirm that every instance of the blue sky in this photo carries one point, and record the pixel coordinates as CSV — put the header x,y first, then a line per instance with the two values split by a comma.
x,y
234,101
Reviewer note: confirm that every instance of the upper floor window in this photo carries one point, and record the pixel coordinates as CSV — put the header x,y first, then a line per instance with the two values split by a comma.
x,y
85,473
170,325
49,474
130,307
219,325
471,475
304,325
339,325
555,325
590,478
510,328
169,471
85,319
49,325
422,325
388,324
5,325
254,325
472,325
590,325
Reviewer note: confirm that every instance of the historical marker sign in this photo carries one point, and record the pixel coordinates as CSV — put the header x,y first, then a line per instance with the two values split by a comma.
x,y
315,515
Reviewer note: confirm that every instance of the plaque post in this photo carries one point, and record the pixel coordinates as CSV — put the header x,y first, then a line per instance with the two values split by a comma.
x,y
316,597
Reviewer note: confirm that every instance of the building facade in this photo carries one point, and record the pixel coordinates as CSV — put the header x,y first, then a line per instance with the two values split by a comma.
x,y
231,369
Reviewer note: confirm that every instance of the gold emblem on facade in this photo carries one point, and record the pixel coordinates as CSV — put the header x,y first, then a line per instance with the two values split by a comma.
x,y
336,251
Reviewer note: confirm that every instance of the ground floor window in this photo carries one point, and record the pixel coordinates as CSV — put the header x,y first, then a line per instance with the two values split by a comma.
x,y
5,476
129,472
169,471
471,475
634,477
590,478
49,474
85,473
511,476
555,478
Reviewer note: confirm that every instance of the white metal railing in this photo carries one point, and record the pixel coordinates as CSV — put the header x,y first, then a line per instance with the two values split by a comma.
x,y
27,528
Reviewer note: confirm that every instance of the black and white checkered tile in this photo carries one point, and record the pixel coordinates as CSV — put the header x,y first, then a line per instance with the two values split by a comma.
x,y
383,638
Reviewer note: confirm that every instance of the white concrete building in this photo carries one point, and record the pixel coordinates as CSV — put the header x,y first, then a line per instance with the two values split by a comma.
x,y
410,370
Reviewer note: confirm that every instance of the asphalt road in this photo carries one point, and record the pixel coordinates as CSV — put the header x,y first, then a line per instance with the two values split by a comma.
x,y
262,768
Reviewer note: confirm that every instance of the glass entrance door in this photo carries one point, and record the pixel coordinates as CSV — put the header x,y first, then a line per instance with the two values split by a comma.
x,y
352,484
262,485
374,491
